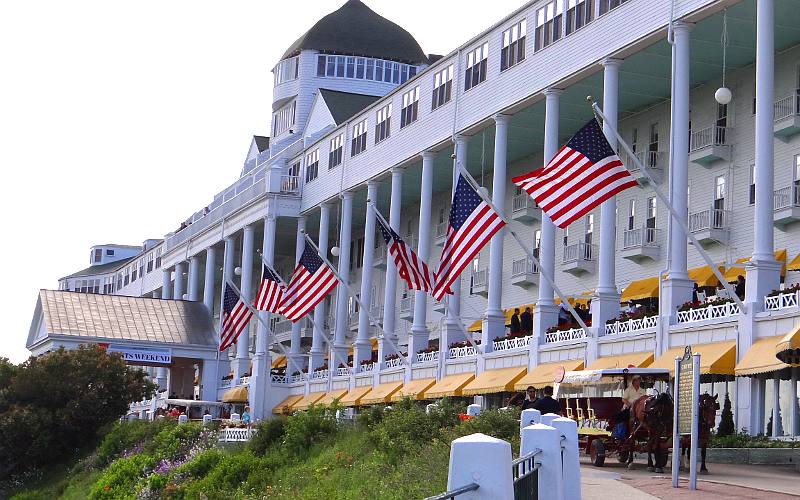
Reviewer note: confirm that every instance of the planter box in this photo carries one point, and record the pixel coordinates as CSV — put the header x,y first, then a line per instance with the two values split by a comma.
x,y
754,456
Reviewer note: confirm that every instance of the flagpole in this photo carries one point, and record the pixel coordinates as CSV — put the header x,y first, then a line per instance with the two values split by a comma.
x,y
675,216
255,313
443,302
353,294
313,318
468,177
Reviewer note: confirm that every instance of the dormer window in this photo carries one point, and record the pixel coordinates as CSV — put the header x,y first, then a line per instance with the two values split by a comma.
x,y
286,70
98,255
283,119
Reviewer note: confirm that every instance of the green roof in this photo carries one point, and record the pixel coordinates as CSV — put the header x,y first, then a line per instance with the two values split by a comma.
x,y
106,268
344,105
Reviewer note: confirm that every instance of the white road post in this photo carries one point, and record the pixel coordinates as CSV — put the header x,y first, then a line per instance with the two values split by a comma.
x,y
570,460
484,460
529,417
548,440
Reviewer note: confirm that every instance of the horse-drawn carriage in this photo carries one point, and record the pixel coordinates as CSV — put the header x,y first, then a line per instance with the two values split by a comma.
x,y
592,397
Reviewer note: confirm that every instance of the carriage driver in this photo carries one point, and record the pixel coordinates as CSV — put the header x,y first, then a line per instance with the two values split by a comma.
x,y
633,392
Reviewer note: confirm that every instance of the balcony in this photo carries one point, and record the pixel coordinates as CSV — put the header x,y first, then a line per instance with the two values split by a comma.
x,y
786,300
709,312
787,117
564,335
439,307
510,344
379,256
524,209
710,226
641,244
352,320
479,283
427,357
787,205
290,184
655,161
441,233
462,352
632,325
283,330
710,145
407,308
579,258
524,273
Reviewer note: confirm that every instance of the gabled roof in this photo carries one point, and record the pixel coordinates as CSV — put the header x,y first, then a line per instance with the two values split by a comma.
x,y
262,143
114,317
108,267
355,29
344,105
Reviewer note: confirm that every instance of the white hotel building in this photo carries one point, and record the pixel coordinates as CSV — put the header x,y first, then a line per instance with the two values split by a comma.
x,y
361,113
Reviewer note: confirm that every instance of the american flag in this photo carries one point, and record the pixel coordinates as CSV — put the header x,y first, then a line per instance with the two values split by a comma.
x,y
472,224
235,317
412,269
582,175
311,282
270,292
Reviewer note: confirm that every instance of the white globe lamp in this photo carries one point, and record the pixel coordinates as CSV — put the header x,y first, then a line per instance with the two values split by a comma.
x,y
237,271
335,251
723,95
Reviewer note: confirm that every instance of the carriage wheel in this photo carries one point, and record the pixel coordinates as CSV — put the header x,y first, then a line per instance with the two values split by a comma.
x,y
623,456
597,453
662,457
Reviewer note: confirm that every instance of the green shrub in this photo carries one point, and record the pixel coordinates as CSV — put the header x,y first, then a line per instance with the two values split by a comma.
x,y
128,436
306,428
744,440
369,416
120,479
726,425
502,424
404,429
268,433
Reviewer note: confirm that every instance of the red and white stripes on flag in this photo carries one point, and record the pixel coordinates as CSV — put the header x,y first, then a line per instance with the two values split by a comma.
x,y
582,175
235,317
413,270
270,292
311,282
472,224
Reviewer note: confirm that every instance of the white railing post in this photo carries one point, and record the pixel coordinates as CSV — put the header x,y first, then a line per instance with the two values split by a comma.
x,y
484,460
529,417
570,460
548,440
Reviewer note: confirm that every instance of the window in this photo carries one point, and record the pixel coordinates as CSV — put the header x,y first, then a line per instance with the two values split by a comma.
x,y
359,142
548,24
134,274
286,70
98,254
635,140
283,119
652,147
150,263
752,190
109,253
312,165
513,45
141,268
565,240
335,155
579,14
126,277
719,192
360,253
383,123
651,212
722,122
158,258
442,87
410,110
631,214
477,61
606,5
537,242
363,68
589,225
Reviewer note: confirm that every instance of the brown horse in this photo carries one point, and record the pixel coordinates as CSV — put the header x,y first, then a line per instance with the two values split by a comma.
x,y
707,413
652,414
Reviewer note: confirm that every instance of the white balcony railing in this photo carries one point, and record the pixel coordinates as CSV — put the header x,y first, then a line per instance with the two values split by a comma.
x,y
713,218
283,327
522,201
579,251
290,184
786,107
379,254
480,278
564,335
719,311
393,363
782,301
235,434
787,197
368,367
441,229
320,374
244,381
224,384
427,357
522,267
509,344
461,352
280,379
406,305
298,378
709,136
343,372
643,237
632,325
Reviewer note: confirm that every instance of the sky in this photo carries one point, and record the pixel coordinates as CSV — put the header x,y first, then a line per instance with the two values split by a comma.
x,y
120,119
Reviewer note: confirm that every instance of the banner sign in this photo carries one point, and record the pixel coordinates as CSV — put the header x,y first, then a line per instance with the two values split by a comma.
x,y
685,392
142,355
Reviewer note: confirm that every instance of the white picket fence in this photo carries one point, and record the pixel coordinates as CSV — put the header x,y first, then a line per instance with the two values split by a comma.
x,y
782,301
509,344
565,335
461,352
235,435
720,311
632,325
427,357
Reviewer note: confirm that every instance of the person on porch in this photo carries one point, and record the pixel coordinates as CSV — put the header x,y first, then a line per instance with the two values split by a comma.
x,y
526,321
515,323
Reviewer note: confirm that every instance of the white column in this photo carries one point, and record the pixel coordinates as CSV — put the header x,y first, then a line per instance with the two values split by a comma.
x,y
763,272
180,270
420,335
545,314
342,293
242,364
494,323
260,378
363,347
161,378
605,305
390,294
678,288
295,361
166,284
318,341
210,278
194,278
453,325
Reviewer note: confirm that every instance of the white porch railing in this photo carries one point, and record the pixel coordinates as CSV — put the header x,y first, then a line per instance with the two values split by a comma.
x,y
393,363
224,384
632,325
235,434
441,229
642,237
461,352
427,357
480,278
283,327
406,304
509,344
343,372
522,267
782,301
298,378
564,335
290,184
244,381
787,197
579,251
719,311
713,218
368,367
380,251
786,107
280,379
709,136
320,374
522,201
